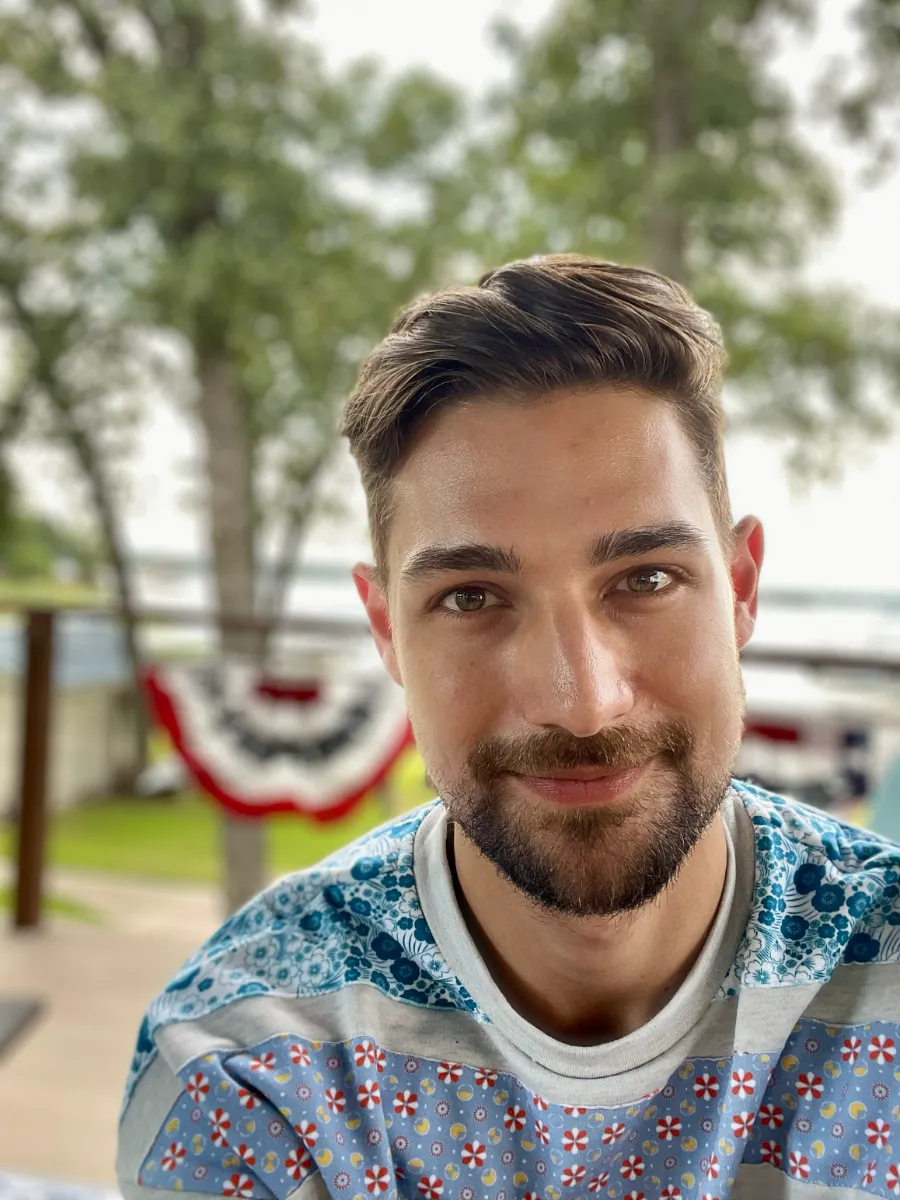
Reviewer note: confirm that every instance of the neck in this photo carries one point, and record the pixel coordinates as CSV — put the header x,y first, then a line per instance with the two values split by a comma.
x,y
594,979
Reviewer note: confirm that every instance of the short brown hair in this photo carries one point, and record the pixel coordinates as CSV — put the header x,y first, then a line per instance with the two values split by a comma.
x,y
528,329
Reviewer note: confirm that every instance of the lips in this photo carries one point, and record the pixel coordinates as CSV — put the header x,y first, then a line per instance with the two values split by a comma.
x,y
589,785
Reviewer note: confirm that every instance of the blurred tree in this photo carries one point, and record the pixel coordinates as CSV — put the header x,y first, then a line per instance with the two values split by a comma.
x,y
267,216
654,131
861,85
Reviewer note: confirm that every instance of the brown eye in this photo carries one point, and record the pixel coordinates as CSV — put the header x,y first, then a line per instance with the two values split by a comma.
x,y
467,600
647,582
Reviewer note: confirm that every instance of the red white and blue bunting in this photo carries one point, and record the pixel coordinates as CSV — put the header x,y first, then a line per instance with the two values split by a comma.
x,y
260,744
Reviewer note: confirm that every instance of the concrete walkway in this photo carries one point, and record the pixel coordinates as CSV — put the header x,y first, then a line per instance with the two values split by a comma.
x,y
61,1082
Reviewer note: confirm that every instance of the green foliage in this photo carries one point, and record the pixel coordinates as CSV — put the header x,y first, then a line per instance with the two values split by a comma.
x,y
232,187
655,133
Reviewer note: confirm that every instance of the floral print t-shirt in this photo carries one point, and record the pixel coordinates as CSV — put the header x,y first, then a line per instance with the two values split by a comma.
x,y
340,1037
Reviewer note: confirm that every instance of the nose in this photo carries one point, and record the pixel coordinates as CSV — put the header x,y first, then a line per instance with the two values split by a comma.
x,y
571,672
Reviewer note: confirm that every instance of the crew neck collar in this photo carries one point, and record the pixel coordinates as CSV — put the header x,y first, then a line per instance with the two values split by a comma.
x,y
438,899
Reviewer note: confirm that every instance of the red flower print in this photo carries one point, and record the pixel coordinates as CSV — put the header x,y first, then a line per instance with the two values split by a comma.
x,y
599,1182
485,1078
799,1165
706,1086
474,1154
377,1179
449,1072
712,1171
851,1049
892,1179
368,1094
515,1118
431,1187
542,1132
406,1103
307,1133
670,1193
742,1123
634,1195
298,1164
668,1128
238,1185
742,1083
248,1154
197,1087
573,1175
877,1132
265,1062
365,1054
770,1152
221,1123
574,1110
771,1116
173,1157
882,1049
532,1196
299,1056
810,1085
632,1167
612,1133
335,1100
575,1140
869,1175
246,1099
539,1103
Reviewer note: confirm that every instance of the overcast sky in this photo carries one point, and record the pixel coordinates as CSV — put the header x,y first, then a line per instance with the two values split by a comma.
x,y
834,537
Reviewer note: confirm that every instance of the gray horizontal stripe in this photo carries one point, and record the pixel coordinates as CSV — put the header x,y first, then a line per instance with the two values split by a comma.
x,y
737,1023
856,995
759,1181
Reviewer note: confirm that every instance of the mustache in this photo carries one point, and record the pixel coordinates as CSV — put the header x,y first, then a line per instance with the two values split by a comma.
x,y
617,748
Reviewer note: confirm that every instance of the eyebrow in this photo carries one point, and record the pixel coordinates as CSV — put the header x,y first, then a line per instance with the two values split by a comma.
x,y
608,548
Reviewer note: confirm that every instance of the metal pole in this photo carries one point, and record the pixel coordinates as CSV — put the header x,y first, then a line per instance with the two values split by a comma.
x,y
37,702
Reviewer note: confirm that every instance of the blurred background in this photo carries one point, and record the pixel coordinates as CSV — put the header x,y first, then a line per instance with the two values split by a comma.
x,y
209,211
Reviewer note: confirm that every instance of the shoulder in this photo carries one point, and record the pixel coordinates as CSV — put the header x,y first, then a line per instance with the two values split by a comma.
x,y
825,892
354,918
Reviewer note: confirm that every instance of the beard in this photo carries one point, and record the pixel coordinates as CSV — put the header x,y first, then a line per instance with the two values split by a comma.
x,y
598,860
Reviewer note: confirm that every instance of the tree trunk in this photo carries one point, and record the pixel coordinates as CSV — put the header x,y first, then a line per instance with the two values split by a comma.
x,y
670,133
229,470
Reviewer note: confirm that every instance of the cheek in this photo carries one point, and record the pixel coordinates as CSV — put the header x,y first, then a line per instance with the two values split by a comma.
x,y
450,704
692,666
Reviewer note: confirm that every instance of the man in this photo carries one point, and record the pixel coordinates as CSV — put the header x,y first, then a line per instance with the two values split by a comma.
x,y
596,964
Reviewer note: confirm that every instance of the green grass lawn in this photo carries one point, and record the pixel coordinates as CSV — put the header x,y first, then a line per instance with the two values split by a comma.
x,y
180,838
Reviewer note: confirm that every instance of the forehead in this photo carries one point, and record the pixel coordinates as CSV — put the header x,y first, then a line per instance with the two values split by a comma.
x,y
546,475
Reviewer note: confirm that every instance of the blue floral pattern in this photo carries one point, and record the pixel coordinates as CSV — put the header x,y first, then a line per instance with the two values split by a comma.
x,y
356,917
257,1123
824,894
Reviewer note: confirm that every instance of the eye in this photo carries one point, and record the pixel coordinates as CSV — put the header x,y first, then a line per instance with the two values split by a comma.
x,y
468,600
646,581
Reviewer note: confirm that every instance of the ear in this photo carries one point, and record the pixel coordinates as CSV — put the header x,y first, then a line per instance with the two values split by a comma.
x,y
746,562
376,606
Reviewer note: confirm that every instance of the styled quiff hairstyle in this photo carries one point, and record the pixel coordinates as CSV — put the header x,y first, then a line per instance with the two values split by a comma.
x,y
527,330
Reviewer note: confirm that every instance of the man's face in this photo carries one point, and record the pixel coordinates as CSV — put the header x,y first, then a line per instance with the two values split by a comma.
x,y
559,607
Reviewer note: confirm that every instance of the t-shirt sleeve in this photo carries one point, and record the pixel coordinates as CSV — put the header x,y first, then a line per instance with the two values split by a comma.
x,y
202,1131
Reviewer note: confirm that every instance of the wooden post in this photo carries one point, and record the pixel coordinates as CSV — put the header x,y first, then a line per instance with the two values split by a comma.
x,y
37,687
